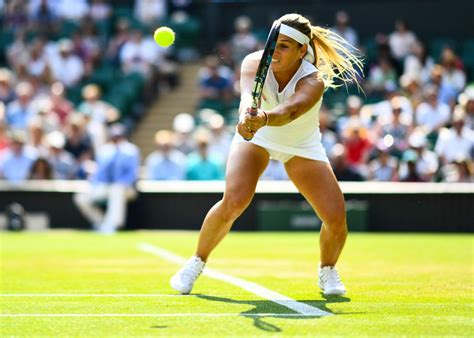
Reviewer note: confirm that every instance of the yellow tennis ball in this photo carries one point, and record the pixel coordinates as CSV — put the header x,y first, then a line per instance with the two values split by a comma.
x,y
164,36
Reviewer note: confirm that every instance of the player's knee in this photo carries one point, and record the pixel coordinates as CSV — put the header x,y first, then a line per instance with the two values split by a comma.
x,y
336,223
235,205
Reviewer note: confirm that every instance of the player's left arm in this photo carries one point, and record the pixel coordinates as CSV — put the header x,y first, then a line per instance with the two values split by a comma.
x,y
308,91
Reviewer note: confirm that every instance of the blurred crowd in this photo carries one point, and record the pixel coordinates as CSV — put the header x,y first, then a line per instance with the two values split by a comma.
x,y
412,120
69,70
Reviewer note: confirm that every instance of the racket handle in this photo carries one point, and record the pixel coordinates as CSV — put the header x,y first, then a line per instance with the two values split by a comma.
x,y
253,109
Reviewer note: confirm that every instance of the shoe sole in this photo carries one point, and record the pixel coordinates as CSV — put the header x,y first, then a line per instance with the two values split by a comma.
x,y
174,287
332,292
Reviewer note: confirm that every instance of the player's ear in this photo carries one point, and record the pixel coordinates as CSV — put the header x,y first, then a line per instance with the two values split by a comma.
x,y
303,50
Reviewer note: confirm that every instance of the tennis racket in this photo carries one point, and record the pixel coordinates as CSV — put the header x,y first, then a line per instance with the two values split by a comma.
x,y
263,66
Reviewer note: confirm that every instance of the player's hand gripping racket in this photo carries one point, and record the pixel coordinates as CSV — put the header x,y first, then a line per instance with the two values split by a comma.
x,y
263,66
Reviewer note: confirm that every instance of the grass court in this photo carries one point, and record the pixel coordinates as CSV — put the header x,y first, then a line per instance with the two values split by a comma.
x,y
71,283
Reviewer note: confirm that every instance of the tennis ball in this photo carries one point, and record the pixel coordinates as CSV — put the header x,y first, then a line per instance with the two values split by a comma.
x,y
164,36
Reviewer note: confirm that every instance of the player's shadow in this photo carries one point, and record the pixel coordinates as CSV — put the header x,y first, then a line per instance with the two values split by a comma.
x,y
267,309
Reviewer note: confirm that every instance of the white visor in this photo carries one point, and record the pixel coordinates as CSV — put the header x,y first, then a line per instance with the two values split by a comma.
x,y
299,37
294,34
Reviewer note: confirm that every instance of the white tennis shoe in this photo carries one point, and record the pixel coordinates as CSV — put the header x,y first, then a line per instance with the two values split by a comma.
x,y
184,279
330,282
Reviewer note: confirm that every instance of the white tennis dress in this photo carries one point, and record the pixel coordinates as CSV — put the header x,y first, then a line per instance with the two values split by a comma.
x,y
301,137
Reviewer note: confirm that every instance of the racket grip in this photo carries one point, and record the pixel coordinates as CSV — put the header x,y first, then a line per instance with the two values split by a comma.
x,y
253,109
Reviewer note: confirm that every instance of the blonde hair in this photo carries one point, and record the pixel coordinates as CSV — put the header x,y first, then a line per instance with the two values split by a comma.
x,y
332,55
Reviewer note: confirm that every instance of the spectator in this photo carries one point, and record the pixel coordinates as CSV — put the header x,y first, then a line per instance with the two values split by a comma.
x,y
166,162
426,162
15,16
353,111
98,110
63,165
328,137
45,116
411,89
223,69
183,126
432,114
402,40
150,12
36,65
142,55
3,136
243,41
342,28
340,166
456,142
383,167
459,171
410,172
21,110
65,66
384,52
35,139
7,94
17,51
78,142
357,144
116,43
139,55
466,101
60,105
86,45
16,161
381,76
201,164
41,170
453,75
221,138
100,10
214,86
73,10
44,17
418,64
113,182
446,92
396,128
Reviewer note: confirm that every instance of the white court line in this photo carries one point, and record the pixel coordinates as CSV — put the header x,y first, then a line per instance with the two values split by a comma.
x,y
157,315
117,295
300,308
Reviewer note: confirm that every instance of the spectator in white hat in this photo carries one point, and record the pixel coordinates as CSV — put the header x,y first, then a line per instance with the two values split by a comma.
x,y
426,160
62,162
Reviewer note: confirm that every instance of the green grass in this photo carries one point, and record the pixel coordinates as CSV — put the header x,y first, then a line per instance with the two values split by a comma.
x,y
399,285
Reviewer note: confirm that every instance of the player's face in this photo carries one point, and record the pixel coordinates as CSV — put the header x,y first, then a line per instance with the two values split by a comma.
x,y
288,54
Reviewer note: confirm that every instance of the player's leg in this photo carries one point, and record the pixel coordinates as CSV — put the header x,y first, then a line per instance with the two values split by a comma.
x,y
317,183
246,162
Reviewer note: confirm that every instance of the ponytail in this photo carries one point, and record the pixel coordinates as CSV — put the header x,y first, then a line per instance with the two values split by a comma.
x,y
334,59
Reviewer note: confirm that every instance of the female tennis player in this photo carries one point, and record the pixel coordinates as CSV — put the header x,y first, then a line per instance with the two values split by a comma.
x,y
307,59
